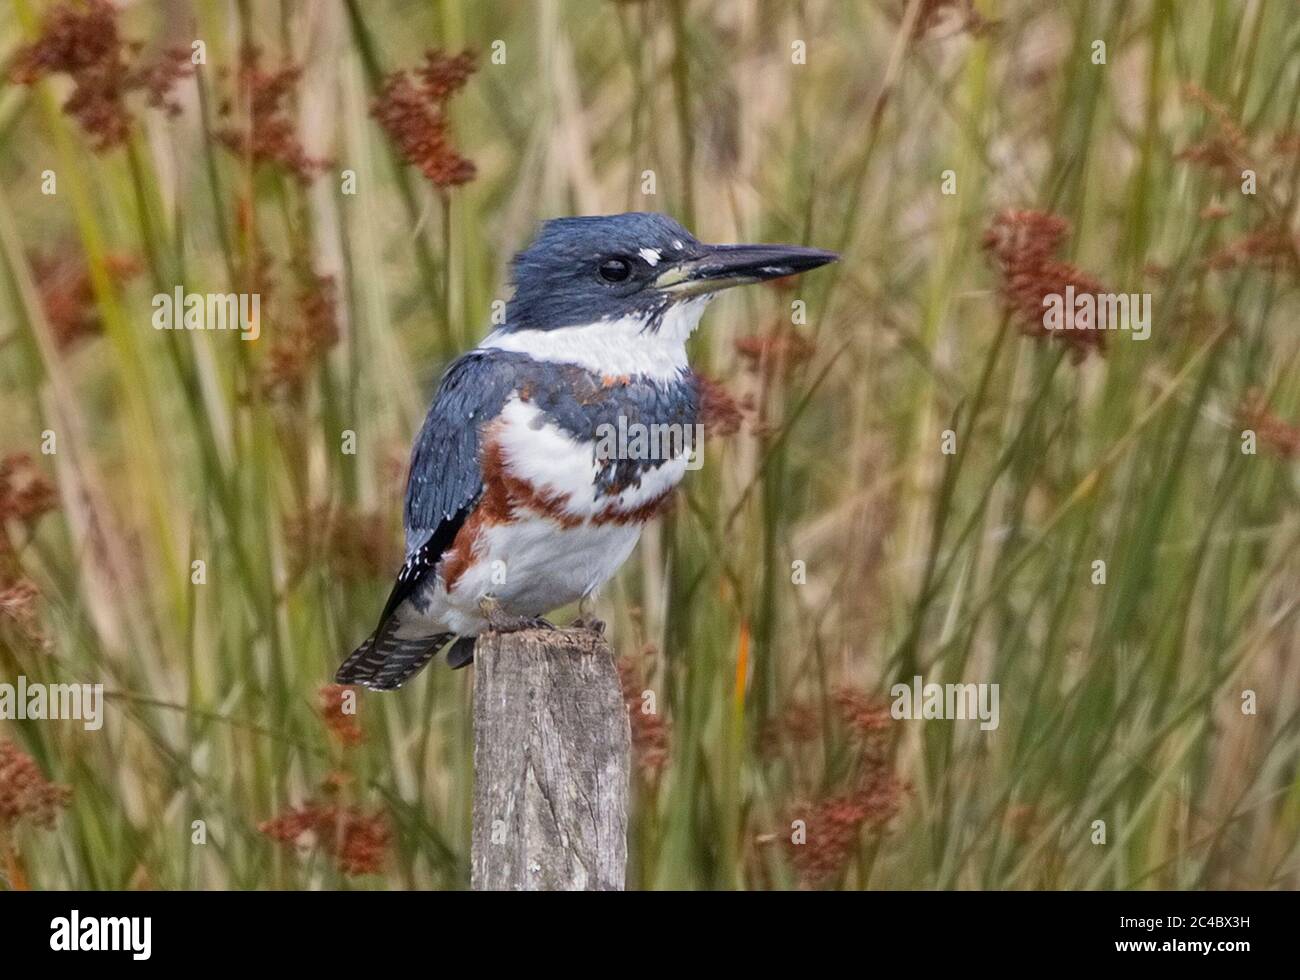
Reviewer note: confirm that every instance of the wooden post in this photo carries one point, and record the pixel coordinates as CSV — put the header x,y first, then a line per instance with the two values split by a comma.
x,y
551,758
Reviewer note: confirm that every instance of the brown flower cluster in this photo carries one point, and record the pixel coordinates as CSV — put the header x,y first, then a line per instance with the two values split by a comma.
x,y
720,413
834,827
393,467
20,608
864,715
1227,149
1269,246
1287,143
334,700
1021,821
255,269
776,353
159,79
26,494
268,134
302,347
872,794
358,842
1275,433
413,112
798,723
25,794
356,546
82,41
1022,245
67,296
444,75
650,732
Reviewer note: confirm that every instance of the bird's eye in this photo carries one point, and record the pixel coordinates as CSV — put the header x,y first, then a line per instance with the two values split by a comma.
x,y
615,270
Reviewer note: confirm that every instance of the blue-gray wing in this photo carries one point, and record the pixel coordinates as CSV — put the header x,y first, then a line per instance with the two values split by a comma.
x,y
446,479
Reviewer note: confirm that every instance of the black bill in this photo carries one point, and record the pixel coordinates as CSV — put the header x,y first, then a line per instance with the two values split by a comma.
x,y
722,266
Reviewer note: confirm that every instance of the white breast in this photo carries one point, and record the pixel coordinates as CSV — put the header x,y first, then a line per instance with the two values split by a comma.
x,y
549,459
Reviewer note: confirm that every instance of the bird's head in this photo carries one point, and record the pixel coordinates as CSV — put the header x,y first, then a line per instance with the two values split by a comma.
x,y
636,265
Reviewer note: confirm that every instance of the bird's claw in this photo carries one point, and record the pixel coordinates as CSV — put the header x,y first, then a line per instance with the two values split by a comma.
x,y
499,621
517,624
587,621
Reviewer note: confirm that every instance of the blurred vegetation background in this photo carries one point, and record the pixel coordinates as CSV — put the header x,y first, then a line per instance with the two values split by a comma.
x,y
372,195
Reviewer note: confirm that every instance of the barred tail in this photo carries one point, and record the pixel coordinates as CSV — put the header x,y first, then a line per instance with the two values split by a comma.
x,y
385,662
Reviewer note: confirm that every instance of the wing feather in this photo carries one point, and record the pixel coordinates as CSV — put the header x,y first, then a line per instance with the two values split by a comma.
x,y
446,477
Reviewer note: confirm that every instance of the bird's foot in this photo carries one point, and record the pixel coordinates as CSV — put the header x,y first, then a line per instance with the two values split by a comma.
x,y
588,621
499,621
502,623
587,616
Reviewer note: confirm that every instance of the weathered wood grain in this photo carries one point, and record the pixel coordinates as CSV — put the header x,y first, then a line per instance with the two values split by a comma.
x,y
551,758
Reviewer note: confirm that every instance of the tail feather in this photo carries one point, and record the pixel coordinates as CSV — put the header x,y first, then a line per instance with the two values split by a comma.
x,y
385,662
360,665
461,653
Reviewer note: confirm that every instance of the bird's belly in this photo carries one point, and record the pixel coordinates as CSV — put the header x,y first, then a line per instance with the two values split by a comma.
x,y
532,565
546,532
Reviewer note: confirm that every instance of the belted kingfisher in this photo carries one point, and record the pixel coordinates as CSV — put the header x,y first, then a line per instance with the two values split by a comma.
x,y
511,511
